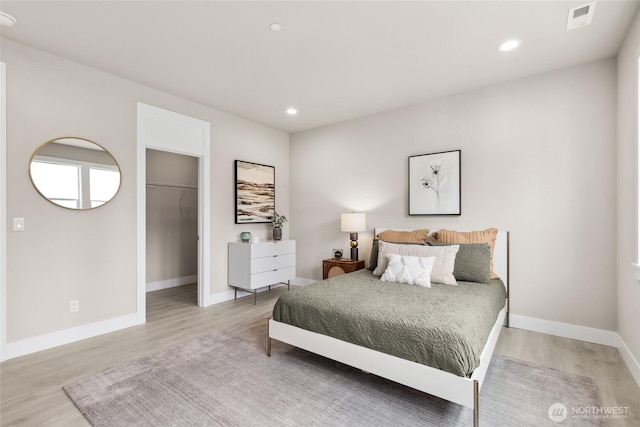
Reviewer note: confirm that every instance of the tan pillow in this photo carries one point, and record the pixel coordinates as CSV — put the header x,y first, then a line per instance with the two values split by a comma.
x,y
415,236
485,236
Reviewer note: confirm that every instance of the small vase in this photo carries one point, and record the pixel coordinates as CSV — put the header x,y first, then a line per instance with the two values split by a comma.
x,y
277,233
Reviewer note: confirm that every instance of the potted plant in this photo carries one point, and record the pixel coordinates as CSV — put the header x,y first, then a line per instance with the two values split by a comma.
x,y
277,221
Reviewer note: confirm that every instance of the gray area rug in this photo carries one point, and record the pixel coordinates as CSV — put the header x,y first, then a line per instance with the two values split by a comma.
x,y
226,379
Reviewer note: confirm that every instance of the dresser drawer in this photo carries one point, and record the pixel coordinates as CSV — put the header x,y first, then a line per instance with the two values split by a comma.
x,y
259,265
270,277
273,248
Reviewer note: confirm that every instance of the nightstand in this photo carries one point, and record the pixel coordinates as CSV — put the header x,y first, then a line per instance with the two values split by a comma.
x,y
335,267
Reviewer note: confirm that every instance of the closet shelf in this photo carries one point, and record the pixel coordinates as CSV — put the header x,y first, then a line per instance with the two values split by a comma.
x,y
175,186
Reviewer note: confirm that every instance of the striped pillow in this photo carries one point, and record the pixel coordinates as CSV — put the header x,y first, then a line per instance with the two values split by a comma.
x,y
394,236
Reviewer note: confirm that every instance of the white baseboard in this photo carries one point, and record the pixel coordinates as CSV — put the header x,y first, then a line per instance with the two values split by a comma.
x,y
582,333
43,342
230,294
628,358
220,297
171,283
566,330
299,281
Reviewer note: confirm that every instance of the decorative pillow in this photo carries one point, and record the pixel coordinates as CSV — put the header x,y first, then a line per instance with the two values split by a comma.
x,y
485,236
472,262
411,270
442,271
394,236
373,259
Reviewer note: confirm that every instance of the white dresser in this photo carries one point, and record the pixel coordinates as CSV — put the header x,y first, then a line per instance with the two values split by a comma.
x,y
257,265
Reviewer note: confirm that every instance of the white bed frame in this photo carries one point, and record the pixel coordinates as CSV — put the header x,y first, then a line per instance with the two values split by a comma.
x,y
448,386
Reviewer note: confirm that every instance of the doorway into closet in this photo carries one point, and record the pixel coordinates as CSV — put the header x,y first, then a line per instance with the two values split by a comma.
x,y
172,230
167,132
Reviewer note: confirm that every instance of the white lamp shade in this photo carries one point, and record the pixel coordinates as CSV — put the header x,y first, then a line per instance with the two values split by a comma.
x,y
353,222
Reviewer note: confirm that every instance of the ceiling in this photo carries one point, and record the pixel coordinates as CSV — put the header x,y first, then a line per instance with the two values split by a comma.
x,y
332,60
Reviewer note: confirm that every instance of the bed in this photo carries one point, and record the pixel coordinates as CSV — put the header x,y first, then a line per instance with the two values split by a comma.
x,y
396,345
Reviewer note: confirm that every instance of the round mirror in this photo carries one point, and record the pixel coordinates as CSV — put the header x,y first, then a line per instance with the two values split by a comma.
x,y
74,173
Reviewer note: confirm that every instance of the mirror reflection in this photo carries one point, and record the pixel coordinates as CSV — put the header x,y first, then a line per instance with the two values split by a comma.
x,y
75,173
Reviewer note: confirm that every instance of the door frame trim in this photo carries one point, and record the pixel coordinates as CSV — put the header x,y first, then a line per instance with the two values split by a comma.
x,y
165,130
3,209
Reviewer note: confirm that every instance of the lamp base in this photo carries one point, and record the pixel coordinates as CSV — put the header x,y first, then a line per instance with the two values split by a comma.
x,y
354,245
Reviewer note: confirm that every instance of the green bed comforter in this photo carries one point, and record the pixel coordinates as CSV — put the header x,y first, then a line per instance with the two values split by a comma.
x,y
444,326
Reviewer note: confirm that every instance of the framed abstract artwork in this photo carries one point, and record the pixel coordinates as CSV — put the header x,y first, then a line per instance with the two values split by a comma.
x,y
255,192
435,184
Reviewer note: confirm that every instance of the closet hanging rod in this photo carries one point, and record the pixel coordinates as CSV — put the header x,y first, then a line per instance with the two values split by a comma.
x,y
182,187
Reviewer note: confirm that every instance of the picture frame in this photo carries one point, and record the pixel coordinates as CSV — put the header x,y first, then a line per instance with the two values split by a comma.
x,y
255,192
435,183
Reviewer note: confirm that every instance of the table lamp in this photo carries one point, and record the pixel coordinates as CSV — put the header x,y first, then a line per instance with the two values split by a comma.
x,y
352,223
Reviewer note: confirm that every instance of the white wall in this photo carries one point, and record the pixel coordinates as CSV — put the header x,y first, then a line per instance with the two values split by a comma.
x,y
91,256
627,184
538,159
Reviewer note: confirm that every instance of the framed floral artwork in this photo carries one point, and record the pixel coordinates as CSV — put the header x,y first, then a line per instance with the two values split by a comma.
x,y
435,184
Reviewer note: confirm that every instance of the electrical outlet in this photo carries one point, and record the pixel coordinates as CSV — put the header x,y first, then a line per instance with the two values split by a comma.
x,y
74,305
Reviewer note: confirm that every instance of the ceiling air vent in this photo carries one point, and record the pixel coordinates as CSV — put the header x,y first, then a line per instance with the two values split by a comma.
x,y
580,16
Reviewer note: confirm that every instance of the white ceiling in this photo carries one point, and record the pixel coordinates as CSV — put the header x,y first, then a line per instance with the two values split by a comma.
x,y
333,61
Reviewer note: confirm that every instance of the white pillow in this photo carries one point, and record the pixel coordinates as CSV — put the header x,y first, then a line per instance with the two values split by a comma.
x,y
442,271
411,270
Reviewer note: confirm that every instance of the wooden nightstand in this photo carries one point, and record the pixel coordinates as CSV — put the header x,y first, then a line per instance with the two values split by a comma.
x,y
336,267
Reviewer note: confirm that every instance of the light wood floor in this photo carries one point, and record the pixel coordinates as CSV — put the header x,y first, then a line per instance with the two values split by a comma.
x,y
31,393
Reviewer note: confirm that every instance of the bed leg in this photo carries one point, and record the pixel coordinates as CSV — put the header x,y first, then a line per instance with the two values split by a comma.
x,y
268,340
476,402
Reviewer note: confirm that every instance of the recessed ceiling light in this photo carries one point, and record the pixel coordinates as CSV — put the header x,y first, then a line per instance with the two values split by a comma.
x,y
7,20
275,26
292,111
509,45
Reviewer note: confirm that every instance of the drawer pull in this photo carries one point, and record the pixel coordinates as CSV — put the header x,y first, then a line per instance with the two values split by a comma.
x,y
275,256
275,269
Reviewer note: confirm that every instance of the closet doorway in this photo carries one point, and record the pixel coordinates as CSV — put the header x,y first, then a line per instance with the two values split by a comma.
x,y
172,227
167,132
